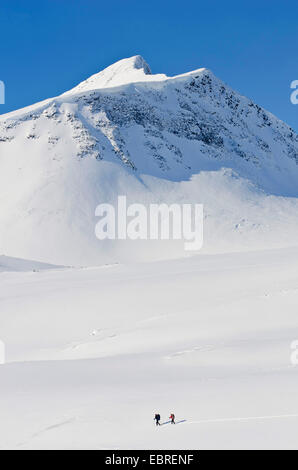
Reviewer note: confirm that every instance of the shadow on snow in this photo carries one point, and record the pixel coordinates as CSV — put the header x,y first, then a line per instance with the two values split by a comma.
x,y
177,422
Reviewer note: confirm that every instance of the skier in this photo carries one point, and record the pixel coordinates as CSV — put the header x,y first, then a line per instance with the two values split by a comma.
x,y
172,418
157,419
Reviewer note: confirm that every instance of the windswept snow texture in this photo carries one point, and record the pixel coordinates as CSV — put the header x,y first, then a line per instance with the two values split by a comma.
x,y
94,353
155,139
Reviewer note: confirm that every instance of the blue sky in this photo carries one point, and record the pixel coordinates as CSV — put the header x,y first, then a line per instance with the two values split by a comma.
x,y
48,46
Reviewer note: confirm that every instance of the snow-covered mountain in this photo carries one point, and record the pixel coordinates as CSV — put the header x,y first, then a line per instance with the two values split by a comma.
x,y
154,138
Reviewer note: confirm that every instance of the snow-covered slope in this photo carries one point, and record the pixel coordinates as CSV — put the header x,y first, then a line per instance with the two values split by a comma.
x,y
93,353
154,138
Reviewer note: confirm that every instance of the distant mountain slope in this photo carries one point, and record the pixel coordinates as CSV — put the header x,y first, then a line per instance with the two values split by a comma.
x,y
126,131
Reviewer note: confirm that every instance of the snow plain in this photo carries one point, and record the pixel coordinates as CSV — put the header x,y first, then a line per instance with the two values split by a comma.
x,y
93,353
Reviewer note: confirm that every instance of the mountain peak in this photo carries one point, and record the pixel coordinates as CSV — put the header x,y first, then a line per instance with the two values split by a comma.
x,y
125,71
127,66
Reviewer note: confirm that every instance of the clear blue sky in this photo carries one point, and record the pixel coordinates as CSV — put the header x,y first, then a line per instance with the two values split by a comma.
x,y
48,46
